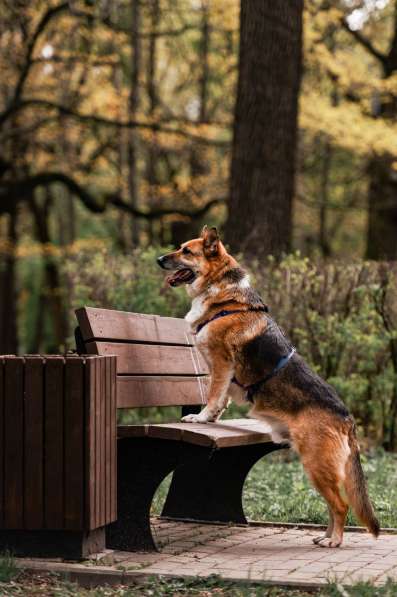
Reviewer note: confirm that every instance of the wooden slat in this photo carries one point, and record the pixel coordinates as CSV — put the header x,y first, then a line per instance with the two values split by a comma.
x,y
90,394
136,431
224,434
74,444
103,442
151,359
113,446
53,443
13,443
160,391
2,380
108,423
101,438
133,327
33,444
98,443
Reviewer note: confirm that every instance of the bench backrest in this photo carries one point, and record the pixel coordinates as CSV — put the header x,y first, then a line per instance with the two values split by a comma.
x,y
157,361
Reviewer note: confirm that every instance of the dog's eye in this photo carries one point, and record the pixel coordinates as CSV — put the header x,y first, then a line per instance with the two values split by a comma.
x,y
186,251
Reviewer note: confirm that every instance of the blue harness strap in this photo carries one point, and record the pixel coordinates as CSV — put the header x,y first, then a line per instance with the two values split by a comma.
x,y
251,389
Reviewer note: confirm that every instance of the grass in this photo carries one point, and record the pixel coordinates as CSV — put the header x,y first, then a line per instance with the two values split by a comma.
x,y
8,569
277,490
46,585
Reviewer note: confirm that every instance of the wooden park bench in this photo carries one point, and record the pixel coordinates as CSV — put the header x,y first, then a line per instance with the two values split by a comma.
x,y
68,492
159,365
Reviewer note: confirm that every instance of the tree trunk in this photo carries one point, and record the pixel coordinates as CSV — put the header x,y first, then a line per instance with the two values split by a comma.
x,y
151,165
197,163
204,55
324,192
382,211
133,106
8,296
51,295
382,188
123,228
265,127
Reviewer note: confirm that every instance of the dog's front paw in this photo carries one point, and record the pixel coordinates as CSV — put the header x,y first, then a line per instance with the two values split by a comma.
x,y
203,417
194,419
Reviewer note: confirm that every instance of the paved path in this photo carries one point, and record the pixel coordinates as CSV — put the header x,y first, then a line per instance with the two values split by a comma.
x,y
258,553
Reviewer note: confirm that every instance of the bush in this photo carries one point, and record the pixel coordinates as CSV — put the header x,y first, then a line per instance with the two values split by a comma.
x,y
8,568
133,282
341,317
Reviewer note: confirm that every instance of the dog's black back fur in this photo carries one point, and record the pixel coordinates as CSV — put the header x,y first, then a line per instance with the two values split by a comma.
x,y
263,353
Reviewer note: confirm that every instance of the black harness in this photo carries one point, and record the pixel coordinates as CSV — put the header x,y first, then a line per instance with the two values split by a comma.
x,y
252,388
225,312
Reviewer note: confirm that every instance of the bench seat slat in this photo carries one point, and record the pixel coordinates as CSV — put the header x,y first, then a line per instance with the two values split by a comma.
x,y
106,324
223,434
151,359
141,391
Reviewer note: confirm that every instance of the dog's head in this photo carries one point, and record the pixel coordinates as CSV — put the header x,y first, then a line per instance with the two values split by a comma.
x,y
195,259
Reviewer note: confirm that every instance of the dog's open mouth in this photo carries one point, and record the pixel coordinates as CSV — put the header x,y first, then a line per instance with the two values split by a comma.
x,y
182,276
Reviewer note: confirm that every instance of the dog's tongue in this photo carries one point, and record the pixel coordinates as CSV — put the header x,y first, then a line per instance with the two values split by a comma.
x,y
181,276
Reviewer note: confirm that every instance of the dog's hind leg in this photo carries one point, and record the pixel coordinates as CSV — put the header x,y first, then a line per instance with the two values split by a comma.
x,y
328,532
339,512
327,485
324,451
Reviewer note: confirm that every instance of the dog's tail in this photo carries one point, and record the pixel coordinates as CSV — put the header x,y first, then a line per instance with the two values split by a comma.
x,y
356,486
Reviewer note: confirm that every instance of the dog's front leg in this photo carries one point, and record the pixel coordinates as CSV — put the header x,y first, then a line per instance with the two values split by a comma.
x,y
217,395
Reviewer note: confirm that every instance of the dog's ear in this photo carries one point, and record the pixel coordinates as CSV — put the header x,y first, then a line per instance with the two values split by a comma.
x,y
210,237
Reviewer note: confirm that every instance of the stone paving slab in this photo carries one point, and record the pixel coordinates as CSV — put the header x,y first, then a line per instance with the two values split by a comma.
x,y
270,554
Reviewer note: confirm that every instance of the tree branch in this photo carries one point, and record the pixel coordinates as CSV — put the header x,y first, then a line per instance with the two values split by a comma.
x,y
46,18
100,120
75,59
155,214
21,190
21,131
165,32
365,43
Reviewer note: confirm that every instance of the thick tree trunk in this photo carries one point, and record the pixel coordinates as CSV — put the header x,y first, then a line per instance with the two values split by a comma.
x,y
265,128
382,188
382,211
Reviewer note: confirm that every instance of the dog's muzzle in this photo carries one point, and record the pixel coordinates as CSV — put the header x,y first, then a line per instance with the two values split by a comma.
x,y
181,275
161,261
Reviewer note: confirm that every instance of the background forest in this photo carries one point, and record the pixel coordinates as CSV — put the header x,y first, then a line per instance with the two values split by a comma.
x,y
125,125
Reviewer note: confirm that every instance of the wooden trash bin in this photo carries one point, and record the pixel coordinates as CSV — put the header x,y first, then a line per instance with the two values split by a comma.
x,y
57,454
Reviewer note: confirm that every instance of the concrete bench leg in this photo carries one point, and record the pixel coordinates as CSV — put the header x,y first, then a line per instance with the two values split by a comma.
x,y
143,463
211,489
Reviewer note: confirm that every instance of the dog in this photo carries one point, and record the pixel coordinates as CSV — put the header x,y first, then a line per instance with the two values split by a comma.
x,y
249,358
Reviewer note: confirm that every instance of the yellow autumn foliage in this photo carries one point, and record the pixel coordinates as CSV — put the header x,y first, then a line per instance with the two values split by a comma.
x,y
344,83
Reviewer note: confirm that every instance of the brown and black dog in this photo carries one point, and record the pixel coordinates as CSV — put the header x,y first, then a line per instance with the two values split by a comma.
x,y
248,356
